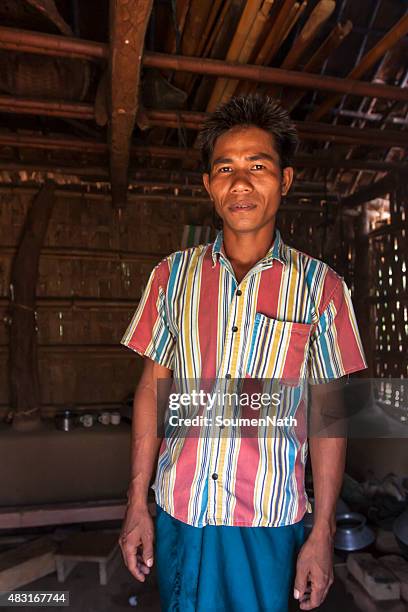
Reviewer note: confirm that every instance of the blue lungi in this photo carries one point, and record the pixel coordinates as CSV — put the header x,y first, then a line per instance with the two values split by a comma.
x,y
201,569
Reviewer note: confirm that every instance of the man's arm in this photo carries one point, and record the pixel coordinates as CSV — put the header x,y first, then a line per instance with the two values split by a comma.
x,y
137,534
314,570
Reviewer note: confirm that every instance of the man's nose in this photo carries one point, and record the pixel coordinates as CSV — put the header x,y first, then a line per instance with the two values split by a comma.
x,y
241,183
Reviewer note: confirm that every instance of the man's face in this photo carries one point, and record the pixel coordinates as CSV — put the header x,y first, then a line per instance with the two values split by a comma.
x,y
246,182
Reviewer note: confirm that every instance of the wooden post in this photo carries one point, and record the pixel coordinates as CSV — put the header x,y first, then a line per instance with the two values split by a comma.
x,y
128,23
23,364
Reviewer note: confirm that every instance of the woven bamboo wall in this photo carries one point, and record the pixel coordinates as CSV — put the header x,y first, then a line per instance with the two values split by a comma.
x,y
388,275
93,269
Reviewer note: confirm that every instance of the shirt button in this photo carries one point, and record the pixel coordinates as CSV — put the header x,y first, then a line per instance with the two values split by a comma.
x,y
214,476
235,328
239,292
228,376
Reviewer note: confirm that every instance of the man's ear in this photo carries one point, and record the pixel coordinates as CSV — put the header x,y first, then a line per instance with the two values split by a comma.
x,y
287,179
206,181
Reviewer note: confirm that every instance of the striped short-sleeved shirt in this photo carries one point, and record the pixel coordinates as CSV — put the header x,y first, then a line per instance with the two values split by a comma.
x,y
290,317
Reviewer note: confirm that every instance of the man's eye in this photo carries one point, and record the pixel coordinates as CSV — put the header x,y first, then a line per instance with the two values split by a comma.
x,y
258,167
224,169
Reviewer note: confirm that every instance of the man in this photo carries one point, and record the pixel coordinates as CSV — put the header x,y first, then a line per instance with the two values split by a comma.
x,y
229,533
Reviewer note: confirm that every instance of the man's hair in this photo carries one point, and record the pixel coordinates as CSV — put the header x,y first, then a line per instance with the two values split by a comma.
x,y
253,110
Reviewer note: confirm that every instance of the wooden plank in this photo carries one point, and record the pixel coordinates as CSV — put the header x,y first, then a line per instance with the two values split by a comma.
x,y
128,23
26,563
59,514
362,599
376,579
399,567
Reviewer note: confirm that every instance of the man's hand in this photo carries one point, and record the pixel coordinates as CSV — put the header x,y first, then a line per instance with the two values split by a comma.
x,y
136,541
314,571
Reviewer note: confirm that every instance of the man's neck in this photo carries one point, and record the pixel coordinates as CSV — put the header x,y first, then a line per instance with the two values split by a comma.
x,y
245,249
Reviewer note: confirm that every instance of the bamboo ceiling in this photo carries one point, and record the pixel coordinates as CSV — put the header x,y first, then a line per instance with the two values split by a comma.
x,y
91,92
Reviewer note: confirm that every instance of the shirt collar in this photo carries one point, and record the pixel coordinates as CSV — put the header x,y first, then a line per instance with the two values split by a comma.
x,y
277,250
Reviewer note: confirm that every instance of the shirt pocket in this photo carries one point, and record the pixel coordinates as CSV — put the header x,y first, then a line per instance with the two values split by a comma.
x,y
279,349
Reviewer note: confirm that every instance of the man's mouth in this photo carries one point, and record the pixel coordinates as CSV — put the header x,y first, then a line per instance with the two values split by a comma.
x,y
241,206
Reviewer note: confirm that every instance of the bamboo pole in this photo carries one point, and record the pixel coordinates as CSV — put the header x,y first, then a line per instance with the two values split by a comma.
x,y
274,39
182,8
193,31
216,29
319,15
285,22
209,27
244,26
249,44
332,42
317,18
385,44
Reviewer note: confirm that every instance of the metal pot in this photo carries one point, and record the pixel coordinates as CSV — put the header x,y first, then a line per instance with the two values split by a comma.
x,y
65,421
352,532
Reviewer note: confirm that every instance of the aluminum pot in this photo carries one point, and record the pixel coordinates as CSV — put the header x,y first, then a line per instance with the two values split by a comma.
x,y
352,532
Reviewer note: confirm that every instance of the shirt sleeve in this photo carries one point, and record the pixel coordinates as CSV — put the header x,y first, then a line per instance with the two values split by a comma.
x,y
335,345
149,332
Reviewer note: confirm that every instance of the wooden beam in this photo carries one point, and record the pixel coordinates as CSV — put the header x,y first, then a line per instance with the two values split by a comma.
x,y
376,190
59,514
275,76
23,364
52,143
35,42
368,61
50,44
307,130
40,141
128,23
85,145
46,108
